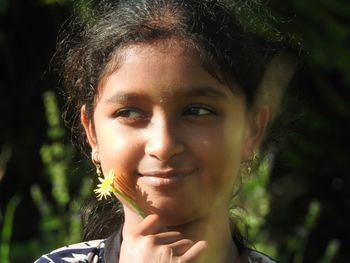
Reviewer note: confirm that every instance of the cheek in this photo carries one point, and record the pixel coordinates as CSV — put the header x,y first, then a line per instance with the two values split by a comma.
x,y
119,150
220,155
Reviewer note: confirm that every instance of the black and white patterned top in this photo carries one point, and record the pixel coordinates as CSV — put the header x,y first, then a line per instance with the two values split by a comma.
x,y
92,251
108,250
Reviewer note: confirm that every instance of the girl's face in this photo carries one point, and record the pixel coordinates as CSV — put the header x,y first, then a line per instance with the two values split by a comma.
x,y
173,130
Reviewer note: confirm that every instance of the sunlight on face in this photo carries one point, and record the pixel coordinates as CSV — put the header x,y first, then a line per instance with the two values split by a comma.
x,y
172,129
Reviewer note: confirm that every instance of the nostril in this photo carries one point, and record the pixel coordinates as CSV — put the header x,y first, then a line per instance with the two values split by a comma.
x,y
163,147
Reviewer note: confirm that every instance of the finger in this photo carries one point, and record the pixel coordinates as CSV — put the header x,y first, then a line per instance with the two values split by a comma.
x,y
167,237
165,255
149,226
194,252
180,247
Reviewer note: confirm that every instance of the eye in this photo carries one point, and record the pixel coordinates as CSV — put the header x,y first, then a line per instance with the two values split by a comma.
x,y
129,113
198,111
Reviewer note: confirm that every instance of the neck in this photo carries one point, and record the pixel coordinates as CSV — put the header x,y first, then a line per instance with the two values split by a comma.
x,y
214,228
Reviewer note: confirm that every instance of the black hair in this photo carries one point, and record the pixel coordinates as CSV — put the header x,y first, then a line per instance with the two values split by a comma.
x,y
234,45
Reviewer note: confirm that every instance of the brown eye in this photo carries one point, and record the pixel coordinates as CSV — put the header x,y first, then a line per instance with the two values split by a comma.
x,y
198,111
129,113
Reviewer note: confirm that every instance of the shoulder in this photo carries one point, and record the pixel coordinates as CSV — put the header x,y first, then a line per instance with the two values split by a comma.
x,y
257,257
90,251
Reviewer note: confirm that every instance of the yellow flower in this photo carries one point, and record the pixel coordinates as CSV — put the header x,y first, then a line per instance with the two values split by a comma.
x,y
105,188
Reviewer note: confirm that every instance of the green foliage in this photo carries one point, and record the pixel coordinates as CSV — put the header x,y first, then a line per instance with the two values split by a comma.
x,y
60,222
7,221
298,241
84,11
7,229
51,2
255,202
254,206
331,251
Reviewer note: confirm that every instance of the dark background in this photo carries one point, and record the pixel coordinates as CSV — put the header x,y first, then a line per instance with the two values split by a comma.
x,y
312,163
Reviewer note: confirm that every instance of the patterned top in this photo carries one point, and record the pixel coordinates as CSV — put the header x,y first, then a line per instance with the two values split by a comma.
x,y
108,250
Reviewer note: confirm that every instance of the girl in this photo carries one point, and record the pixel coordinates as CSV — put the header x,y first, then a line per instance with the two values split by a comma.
x,y
166,94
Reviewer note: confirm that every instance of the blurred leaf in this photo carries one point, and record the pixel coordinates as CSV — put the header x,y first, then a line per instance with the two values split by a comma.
x,y
7,229
331,251
52,2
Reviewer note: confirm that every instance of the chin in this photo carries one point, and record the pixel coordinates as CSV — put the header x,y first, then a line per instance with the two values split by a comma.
x,y
175,213
176,219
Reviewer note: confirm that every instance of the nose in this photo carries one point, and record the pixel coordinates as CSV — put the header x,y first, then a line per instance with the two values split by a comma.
x,y
163,141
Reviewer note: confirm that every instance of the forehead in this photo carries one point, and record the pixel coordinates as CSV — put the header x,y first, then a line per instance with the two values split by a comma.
x,y
166,58
174,53
167,66
140,51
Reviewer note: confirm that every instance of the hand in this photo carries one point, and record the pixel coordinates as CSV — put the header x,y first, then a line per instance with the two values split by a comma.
x,y
150,242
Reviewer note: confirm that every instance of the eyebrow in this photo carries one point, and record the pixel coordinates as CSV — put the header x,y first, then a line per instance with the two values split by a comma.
x,y
122,97
195,92
205,91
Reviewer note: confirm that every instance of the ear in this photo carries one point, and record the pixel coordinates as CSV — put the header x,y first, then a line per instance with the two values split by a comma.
x,y
89,128
256,129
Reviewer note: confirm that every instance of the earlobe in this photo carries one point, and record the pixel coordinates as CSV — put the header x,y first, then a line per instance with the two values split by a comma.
x,y
89,128
256,132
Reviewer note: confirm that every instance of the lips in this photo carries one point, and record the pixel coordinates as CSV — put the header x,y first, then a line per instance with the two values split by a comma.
x,y
169,177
